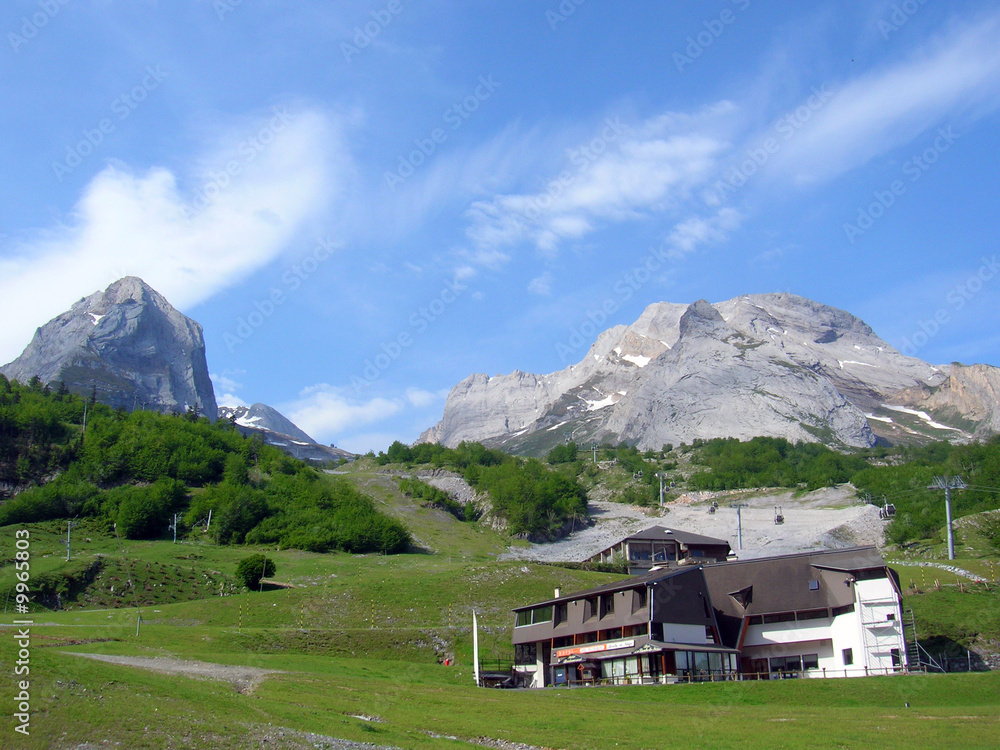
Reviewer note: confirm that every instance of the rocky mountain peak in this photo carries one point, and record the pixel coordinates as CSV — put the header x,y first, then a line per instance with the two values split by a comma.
x,y
130,345
701,319
761,364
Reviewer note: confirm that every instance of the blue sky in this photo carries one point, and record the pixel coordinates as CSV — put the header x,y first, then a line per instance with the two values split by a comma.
x,y
365,202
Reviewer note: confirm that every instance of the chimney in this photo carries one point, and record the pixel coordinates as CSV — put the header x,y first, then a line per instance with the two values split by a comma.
x,y
558,592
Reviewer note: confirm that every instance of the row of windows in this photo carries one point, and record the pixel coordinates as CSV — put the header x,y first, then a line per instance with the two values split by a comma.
x,y
611,634
809,614
593,607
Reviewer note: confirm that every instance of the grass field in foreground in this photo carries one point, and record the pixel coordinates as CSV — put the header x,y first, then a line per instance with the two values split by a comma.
x,y
364,635
419,705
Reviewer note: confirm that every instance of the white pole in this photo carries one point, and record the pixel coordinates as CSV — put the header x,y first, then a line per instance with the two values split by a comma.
x,y
475,646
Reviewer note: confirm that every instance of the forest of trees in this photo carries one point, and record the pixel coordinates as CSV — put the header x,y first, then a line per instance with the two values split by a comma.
x,y
135,470
770,462
532,498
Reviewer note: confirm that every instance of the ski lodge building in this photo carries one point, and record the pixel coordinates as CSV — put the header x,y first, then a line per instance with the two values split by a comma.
x,y
660,546
834,613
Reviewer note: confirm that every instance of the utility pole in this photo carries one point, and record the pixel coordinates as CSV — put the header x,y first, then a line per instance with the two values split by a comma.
x,y
83,433
173,526
948,484
594,447
739,523
659,476
69,525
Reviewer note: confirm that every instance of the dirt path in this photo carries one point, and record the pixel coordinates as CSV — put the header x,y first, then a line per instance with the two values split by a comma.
x,y
825,519
244,679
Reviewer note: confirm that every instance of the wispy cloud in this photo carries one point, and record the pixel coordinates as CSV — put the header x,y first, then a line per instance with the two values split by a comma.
x,y
189,241
621,174
541,285
955,74
326,411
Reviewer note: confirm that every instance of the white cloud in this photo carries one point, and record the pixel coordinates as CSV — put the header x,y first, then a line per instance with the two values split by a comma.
x,y
541,285
635,174
221,381
325,411
890,107
422,399
693,232
186,243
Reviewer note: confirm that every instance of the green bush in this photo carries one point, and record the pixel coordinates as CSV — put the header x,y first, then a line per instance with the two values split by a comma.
x,y
252,569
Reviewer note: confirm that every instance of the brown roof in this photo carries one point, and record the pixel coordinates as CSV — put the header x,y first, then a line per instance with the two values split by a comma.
x,y
781,584
664,534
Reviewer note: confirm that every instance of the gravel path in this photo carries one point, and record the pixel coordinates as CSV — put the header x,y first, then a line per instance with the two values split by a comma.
x,y
244,679
812,522
940,566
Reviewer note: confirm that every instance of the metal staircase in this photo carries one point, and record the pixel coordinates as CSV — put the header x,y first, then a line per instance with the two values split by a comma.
x,y
917,658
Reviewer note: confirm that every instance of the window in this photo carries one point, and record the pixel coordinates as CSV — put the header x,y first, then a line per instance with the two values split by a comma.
x,y
891,616
589,607
837,611
779,617
607,604
525,653
814,585
561,613
811,614
533,616
697,553
894,654
638,599
848,655
810,661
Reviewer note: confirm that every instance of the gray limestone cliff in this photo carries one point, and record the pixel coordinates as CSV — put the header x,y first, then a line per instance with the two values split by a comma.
x,y
129,344
767,364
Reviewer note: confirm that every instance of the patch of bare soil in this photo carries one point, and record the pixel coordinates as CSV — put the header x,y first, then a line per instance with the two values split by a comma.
x,y
244,679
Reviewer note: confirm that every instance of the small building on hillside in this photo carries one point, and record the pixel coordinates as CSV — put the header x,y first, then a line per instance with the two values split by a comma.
x,y
820,614
660,546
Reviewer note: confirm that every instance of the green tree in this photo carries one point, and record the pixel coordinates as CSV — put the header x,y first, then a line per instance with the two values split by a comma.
x,y
251,570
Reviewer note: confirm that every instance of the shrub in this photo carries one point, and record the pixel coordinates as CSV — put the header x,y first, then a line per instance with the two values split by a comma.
x,y
251,570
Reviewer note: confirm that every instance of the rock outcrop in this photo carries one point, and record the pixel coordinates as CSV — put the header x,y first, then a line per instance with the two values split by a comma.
x,y
768,364
129,345
276,429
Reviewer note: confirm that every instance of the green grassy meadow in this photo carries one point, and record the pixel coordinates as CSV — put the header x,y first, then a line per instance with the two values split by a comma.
x,y
366,636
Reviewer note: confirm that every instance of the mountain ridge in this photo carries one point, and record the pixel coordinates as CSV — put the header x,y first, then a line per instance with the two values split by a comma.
x,y
766,364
